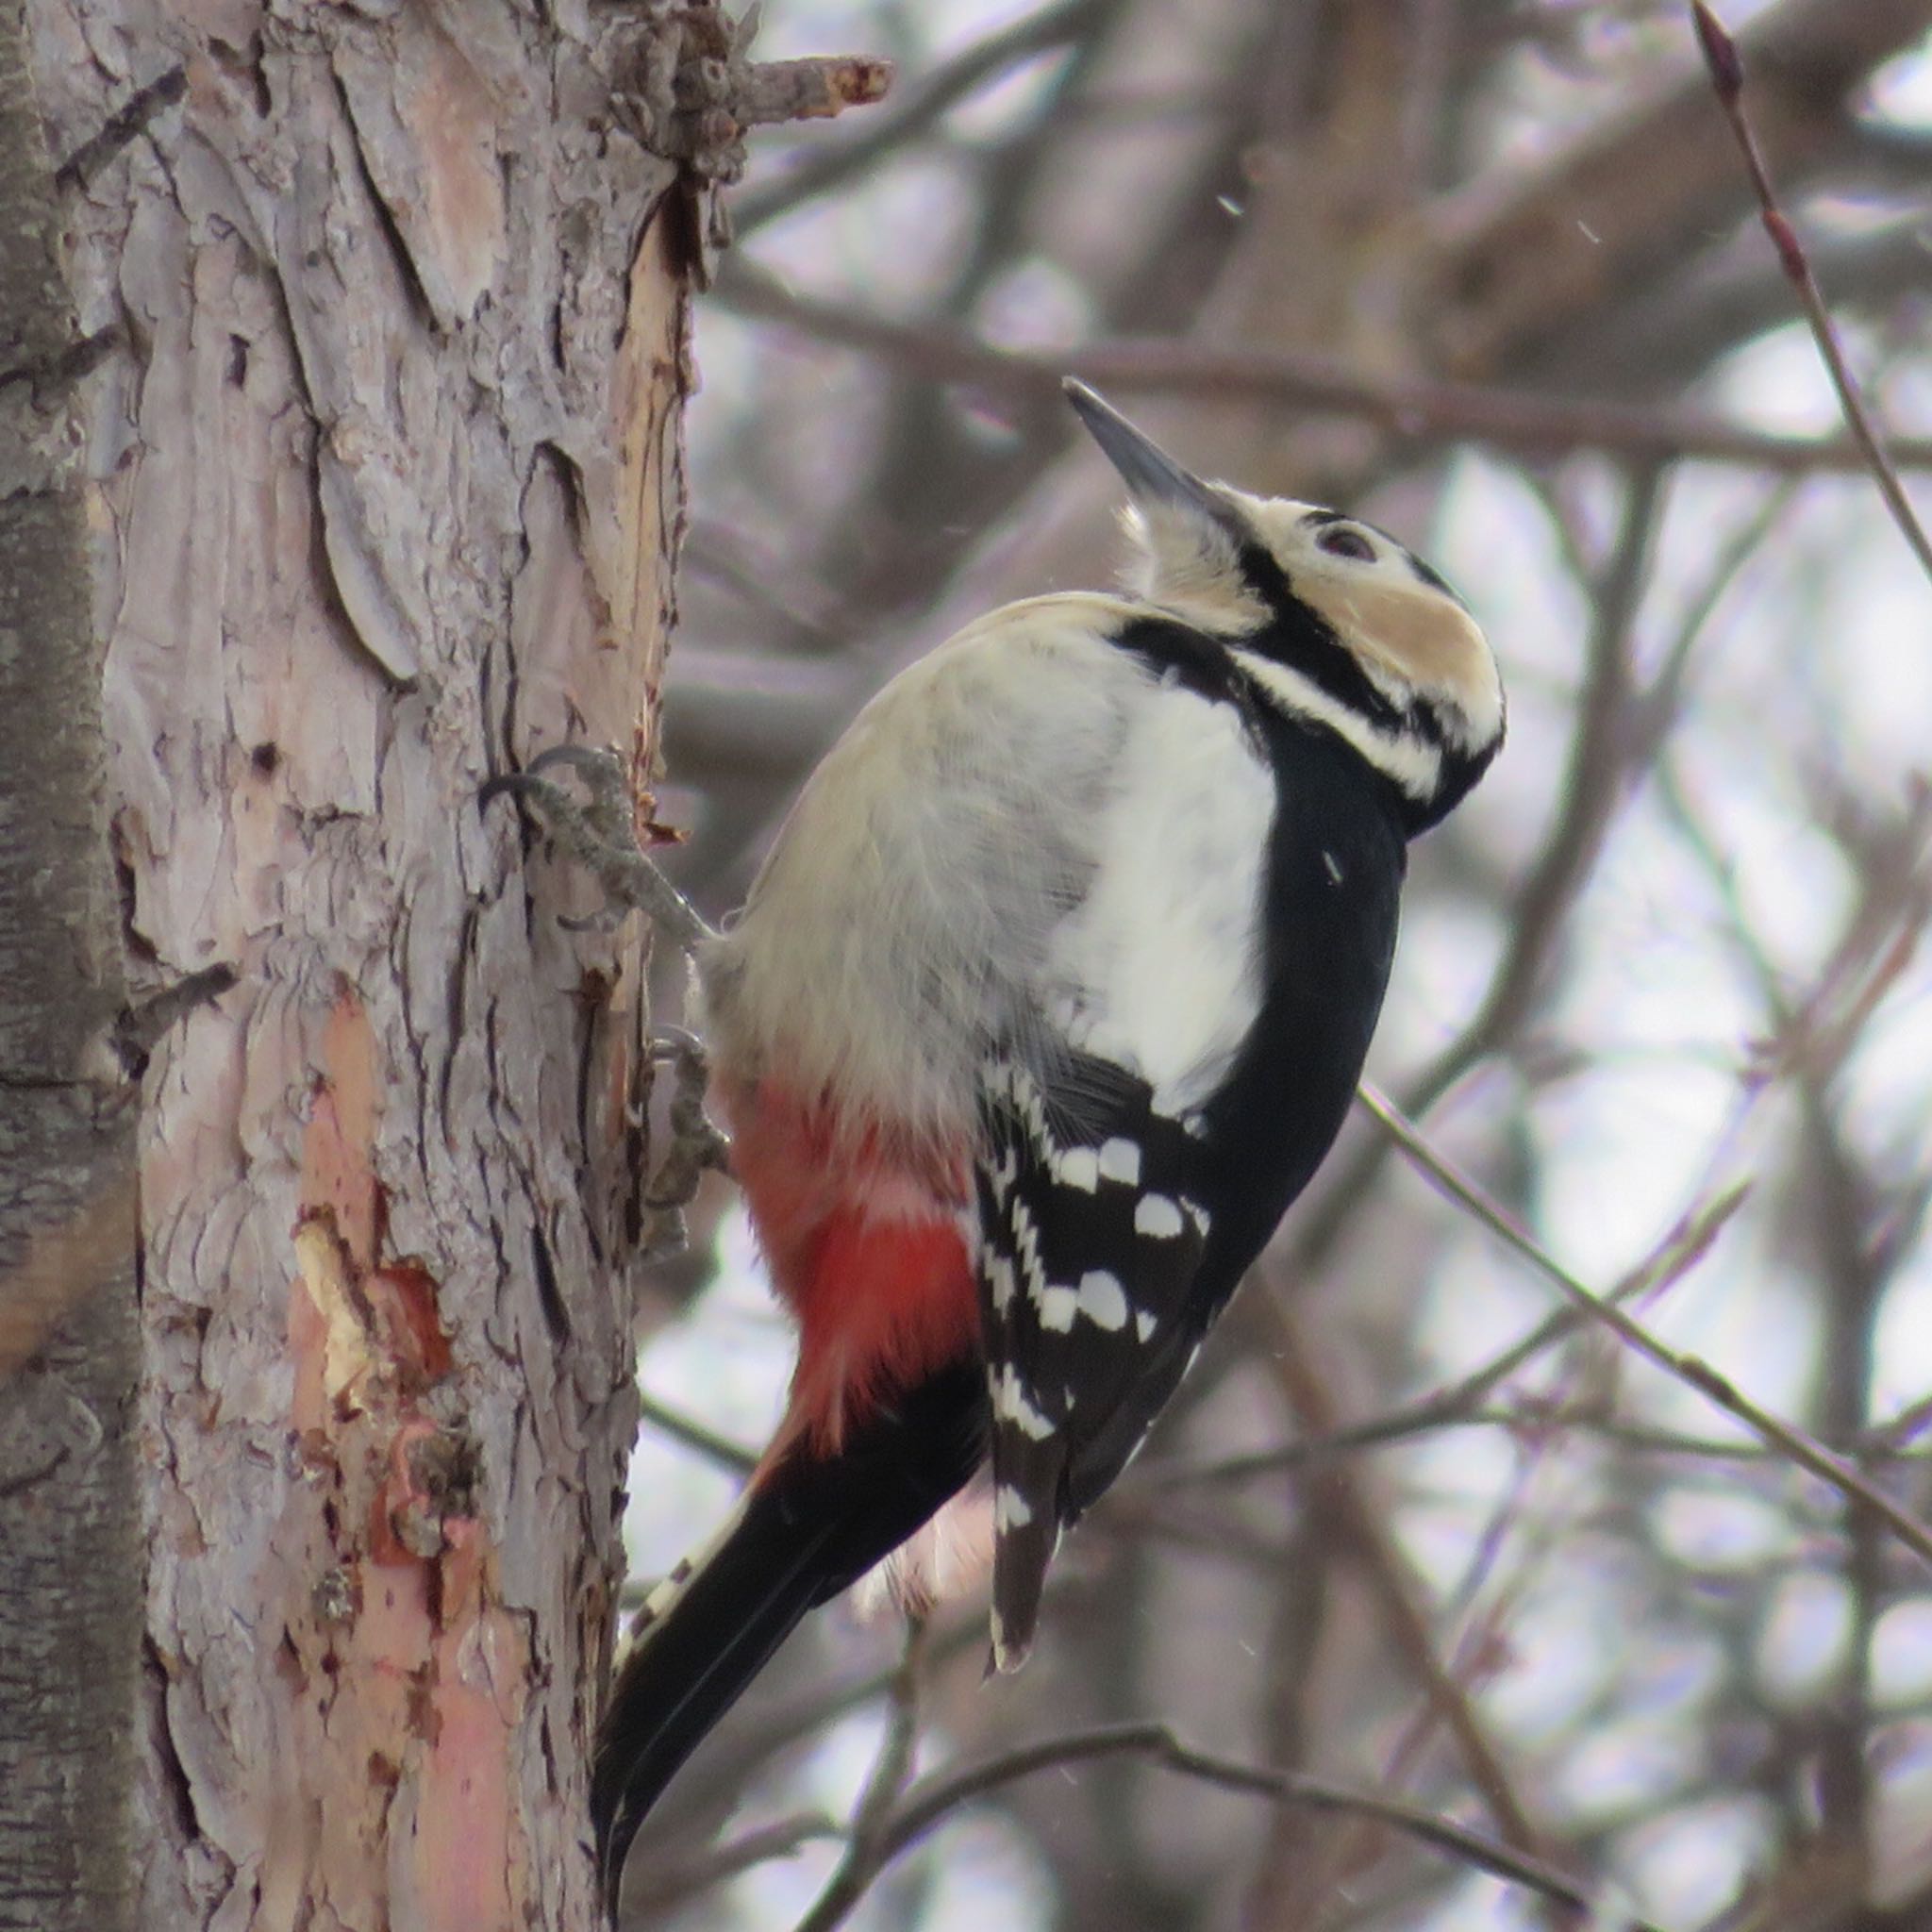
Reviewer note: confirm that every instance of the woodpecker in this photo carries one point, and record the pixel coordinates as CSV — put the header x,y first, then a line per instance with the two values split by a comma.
x,y
1049,1000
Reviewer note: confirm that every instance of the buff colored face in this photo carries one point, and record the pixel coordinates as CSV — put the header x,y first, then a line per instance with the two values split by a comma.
x,y
1412,634
1397,613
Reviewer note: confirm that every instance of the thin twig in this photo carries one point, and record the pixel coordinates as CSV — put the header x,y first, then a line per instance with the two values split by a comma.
x,y
1532,1419
48,377
1606,757
120,128
1355,1524
1694,1372
1618,730
137,1028
932,1800
1892,1437
869,1846
939,90
693,1433
1474,1655
1673,1257
1655,710
664,1884
953,1631
1727,68
1416,409
815,89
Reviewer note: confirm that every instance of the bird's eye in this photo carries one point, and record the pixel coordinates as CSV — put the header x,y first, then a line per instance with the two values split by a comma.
x,y
1338,539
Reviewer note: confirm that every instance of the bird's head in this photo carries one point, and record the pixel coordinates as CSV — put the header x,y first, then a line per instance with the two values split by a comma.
x,y
1331,618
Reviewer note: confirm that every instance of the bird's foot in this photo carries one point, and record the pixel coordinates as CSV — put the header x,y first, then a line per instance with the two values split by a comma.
x,y
696,1143
600,832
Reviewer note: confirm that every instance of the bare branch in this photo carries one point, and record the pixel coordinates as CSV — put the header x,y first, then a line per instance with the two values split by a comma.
x,y
665,1883
1527,1418
942,89
1619,733
1353,1524
1727,67
123,126
1802,1449
871,1846
1413,409
931,1801
811,89
693,1433
1459,1405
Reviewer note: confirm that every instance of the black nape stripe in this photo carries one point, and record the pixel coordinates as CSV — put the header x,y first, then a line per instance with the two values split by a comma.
x,y
1191,659
1293,636
1296,636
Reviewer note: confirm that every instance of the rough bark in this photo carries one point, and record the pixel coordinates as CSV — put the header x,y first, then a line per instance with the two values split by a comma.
x,y
386,486
69,1584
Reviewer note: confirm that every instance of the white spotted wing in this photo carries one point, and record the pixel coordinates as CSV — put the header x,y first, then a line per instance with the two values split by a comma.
x,y
1089,1246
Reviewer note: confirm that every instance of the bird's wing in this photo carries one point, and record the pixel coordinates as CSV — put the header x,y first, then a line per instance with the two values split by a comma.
x,y
1089,1246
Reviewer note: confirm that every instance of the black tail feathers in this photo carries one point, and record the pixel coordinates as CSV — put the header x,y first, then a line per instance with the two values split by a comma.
x,y
807,1529
688,1669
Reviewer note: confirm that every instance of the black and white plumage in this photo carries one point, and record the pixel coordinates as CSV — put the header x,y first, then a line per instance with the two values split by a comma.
x,y
1049,1000
1089,1255
1260,861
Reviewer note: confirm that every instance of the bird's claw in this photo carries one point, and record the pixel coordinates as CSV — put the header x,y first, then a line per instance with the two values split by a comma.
x,y
600,832
696,1143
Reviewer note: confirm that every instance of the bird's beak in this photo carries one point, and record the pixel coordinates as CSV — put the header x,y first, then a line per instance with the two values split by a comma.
x,y
1145,468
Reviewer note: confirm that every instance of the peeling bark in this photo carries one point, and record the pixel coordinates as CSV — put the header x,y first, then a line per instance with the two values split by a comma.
x,y
385,488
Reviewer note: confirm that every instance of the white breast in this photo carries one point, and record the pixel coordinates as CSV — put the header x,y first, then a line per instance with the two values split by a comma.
x,y
1157,969
1027,825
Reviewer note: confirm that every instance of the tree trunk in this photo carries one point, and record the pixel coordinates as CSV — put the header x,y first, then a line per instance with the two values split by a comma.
x,y
386,485
69,1583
